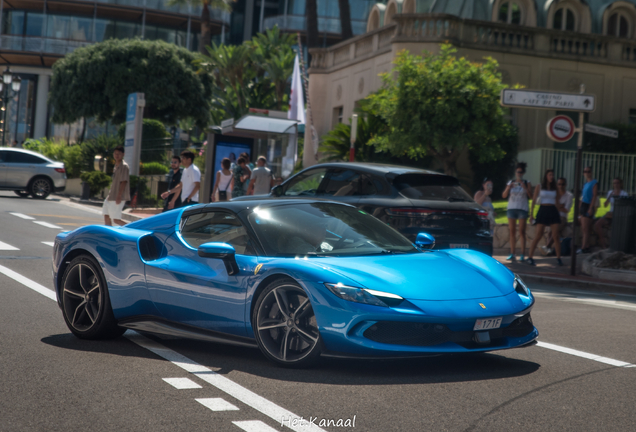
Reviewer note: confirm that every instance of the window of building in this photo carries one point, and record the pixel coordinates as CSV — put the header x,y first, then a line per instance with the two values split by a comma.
x,y
337,116
510,12
618,25
632,116
564,19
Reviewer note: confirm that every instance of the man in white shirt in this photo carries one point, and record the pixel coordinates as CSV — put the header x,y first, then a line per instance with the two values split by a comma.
x,y
190,181
261,181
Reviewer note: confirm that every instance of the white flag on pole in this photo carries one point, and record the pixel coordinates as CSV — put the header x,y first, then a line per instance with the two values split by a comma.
x,y
296,100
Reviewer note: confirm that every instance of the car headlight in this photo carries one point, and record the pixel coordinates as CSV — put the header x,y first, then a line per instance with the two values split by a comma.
x,y
520,286
364,295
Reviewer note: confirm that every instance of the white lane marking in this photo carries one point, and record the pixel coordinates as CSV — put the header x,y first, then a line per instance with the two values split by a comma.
x,y
224,384
182,383
28,283
49,243
5,246
217,404
585,355
48,225
254,426
614,304
84,207
23,216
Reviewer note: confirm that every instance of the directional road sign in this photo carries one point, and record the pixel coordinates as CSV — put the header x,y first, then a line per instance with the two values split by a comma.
x,y
548,100
612,133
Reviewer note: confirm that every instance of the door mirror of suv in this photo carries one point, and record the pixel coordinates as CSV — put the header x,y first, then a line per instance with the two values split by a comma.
x,y
277,191
222,251
425,241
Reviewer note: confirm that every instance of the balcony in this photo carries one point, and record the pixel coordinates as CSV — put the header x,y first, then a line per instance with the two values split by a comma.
x,y
481,35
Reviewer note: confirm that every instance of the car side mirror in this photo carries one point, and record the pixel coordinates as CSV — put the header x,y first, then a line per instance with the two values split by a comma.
x,y
277,191
425,241
222,251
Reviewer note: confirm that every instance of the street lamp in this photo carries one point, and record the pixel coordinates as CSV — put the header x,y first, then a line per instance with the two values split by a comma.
x,y
16,82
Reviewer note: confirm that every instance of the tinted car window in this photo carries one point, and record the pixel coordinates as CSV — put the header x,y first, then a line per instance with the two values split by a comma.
x,y
19,157
431,187
305,184
3,156
216,227
369,185
343,182
324,229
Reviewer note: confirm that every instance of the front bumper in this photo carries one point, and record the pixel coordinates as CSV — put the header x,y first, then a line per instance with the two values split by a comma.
x,y
419,328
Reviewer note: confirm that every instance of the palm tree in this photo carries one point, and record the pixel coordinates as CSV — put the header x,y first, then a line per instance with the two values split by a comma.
x,y
345,19
206,28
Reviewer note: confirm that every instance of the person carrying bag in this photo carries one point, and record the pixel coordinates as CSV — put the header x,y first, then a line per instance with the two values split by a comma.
x,y
220,193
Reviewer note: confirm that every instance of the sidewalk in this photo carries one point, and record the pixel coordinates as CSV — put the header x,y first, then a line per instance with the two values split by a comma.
x,y
547,271
128,214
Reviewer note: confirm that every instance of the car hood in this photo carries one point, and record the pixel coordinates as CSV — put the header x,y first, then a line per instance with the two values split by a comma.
x,y
439,275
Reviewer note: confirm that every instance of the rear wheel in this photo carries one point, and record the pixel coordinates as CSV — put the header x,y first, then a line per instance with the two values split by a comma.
x,y
285,325
85,301
22,193
40,188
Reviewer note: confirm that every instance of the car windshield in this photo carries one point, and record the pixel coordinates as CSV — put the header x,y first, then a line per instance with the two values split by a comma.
x,y
431,187
324,229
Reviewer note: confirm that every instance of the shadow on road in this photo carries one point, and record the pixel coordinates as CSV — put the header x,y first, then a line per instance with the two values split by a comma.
x,y
227,358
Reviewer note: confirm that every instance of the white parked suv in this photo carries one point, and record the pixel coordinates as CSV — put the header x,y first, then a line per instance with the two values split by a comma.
x,y
29,173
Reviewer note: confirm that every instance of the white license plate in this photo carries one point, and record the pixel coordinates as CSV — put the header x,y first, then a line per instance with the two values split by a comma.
x,y
459,246
488,323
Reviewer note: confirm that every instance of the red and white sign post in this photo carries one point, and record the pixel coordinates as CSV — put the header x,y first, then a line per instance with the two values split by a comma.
x,y
560,128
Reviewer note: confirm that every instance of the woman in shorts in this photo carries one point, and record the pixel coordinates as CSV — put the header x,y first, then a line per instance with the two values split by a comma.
x,y
518,191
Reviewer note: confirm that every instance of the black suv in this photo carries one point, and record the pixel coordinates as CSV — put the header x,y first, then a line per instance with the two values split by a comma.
x,y
410,200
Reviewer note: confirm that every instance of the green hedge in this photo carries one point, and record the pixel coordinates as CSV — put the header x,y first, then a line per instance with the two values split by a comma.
x,y
97,181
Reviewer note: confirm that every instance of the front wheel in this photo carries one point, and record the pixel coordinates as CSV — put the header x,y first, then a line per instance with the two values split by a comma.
x,y
285,325
85,301
41,188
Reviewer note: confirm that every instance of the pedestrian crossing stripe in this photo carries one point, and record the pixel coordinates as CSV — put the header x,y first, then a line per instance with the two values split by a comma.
x,y
7,247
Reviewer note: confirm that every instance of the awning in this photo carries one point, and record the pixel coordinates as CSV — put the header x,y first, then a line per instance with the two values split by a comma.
x,y
264,124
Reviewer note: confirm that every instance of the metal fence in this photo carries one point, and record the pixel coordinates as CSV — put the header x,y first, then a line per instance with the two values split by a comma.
x,y
605,167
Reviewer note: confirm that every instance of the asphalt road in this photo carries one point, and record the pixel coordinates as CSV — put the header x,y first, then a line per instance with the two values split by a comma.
x,y
52,381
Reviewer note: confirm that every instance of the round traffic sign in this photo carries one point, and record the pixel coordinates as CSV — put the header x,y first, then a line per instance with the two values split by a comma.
x,y
560,128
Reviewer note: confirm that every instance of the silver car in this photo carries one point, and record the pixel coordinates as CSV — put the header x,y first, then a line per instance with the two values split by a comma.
x,y
29,173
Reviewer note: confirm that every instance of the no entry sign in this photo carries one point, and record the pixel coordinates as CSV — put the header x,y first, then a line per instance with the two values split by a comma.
x,y
560,128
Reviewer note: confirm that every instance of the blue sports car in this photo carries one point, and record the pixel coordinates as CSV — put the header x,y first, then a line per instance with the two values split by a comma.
x,y
297,278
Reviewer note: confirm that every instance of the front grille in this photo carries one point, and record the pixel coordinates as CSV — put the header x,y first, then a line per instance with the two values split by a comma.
x,y
427,334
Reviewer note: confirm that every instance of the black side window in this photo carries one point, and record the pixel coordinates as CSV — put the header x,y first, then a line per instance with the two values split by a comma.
x,y
216,227
19,157
306,184
3,156
343,182
369,185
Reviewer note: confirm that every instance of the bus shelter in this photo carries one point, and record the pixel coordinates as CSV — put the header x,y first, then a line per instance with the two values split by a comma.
x,y
257,135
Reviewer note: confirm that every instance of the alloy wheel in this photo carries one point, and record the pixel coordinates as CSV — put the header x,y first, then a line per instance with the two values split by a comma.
x,y
286,324
41,188
82,297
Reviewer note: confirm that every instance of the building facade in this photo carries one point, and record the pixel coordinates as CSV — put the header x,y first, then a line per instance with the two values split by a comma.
x,y
554,45
36,33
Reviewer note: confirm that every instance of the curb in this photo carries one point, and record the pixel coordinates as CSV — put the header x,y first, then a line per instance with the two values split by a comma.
x,y
591,285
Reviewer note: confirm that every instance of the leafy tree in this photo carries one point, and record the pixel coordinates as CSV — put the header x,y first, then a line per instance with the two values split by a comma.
x,y
206,27
95,81
256,74
440,105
